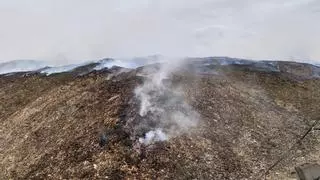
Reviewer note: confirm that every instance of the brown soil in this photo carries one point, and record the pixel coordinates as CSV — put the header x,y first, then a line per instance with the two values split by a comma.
x,y
250,120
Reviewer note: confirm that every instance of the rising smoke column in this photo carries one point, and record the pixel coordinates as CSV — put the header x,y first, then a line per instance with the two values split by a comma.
x,y
164,112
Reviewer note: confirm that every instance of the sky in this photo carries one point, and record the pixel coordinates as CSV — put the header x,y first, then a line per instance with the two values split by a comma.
x,y
69,31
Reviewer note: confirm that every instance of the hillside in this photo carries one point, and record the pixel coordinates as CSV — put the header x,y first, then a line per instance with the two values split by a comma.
x,y
205,119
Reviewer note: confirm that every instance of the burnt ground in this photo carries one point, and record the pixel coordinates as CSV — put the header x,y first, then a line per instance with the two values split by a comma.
x,y
254,124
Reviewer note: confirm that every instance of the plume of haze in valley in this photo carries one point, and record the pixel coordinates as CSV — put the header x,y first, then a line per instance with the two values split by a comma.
x,y
70,32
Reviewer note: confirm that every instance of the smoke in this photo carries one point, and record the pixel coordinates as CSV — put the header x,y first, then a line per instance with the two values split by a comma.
x,y
67,32
153,136
21,65
164,112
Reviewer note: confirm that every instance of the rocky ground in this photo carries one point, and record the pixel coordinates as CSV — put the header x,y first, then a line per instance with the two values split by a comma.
x,y
256,121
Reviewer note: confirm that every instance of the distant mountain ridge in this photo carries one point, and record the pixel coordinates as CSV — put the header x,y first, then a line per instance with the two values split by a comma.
x,y
205,64
21,66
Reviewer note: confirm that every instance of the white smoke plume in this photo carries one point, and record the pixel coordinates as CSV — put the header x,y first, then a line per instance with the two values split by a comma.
x,y
156,135
163,107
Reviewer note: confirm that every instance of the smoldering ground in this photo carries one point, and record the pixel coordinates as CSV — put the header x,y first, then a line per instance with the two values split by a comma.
x,y
162,111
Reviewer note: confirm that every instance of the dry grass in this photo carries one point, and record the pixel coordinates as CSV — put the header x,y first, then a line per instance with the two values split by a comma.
x,y
50,127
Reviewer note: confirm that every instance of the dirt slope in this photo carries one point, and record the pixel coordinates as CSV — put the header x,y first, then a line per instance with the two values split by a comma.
x,y
251,125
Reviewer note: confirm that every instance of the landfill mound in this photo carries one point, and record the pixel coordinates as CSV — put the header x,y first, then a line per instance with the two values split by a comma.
x,y
203,120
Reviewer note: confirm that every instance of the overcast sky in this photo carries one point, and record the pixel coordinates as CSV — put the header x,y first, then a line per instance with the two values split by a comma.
x,y
68,31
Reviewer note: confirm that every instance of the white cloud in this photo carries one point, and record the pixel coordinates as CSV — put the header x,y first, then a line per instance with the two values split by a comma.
x,y
67,31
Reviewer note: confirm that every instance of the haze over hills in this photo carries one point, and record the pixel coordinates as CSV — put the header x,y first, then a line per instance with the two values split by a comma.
x,y
21,65
48,68
66,32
